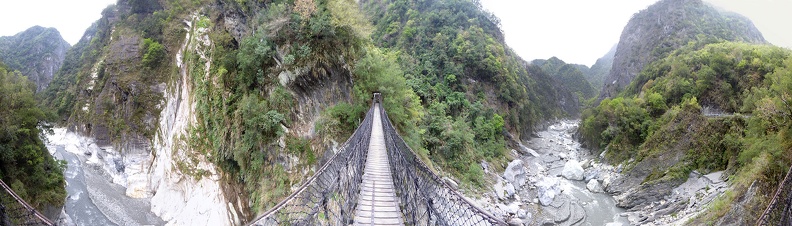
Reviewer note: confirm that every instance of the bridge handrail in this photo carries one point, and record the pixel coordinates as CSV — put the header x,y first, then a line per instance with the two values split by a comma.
x,y
354,149
773,215
411,195
24,212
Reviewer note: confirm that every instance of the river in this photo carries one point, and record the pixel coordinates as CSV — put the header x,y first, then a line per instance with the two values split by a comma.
x,y
534,192
556,145
93,198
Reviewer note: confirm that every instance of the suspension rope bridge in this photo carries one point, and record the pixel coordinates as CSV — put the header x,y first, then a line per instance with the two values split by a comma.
x,y
376,179
15,211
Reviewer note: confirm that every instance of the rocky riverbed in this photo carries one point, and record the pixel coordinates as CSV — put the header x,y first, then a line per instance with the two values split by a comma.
x,y
95,185
554,181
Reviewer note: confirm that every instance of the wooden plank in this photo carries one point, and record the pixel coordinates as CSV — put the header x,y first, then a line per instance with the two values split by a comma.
x,y
377,202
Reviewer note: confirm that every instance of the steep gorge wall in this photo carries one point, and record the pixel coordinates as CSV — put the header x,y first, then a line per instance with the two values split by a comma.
x,y
147,112
655,32
187,188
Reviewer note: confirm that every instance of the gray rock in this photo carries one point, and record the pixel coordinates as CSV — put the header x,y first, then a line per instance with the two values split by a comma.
x,y
119,165
586,164
548,188
572,170
522,214
591,174
714,177
563,213
594,186
485,166
513,208
509,189
647,193
515,173
500,190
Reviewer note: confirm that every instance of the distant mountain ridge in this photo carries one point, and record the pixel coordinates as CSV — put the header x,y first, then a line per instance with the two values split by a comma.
x,y
37,52
667,25
597,73
573,76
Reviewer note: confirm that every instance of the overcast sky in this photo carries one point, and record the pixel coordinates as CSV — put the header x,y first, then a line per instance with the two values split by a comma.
x,y
577,31
70,17
580,31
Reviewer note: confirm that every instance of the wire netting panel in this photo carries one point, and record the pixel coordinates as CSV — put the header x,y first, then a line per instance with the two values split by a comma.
x,y
779,212
425,198
15,211
329,197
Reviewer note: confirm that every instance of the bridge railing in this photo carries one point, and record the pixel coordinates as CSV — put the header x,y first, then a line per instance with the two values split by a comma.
x,y
425,198
15,211
330,195
779,211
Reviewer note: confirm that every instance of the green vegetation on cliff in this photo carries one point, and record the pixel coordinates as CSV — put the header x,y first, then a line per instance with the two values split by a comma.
x,y
37,53
247,103
721,106
662,28
474,88
25,163
570,75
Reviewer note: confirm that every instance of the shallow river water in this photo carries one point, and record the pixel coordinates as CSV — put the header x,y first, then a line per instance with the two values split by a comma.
x,y
93,198
549,198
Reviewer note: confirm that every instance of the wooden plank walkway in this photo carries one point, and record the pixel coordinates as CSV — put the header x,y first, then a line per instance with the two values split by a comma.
x,y
377,203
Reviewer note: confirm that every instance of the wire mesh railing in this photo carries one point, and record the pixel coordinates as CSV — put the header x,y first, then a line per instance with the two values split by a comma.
x,y
15,211
425,198
779,211
329,197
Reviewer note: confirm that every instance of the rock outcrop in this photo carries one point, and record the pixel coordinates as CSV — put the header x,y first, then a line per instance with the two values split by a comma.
x,y
572,170
37,52
665,26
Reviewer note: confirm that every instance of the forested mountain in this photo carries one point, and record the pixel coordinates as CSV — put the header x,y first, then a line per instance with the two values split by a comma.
x,y
655,32
700,105
573,76
596,75
454,58
25,164
37,53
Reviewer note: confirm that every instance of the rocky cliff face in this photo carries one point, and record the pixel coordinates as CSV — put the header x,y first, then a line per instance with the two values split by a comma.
x,y
656,31
37,52
148,110
596,75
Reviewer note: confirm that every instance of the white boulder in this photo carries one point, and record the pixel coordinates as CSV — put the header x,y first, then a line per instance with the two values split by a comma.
x,y
515,173
572,170
510,190
594,186
548,188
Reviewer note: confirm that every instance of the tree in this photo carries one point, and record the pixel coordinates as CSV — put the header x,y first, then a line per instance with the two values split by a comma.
x,y
25,163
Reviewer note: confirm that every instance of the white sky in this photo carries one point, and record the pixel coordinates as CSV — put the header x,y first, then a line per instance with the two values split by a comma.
x,y
580,31
577,31
70,17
